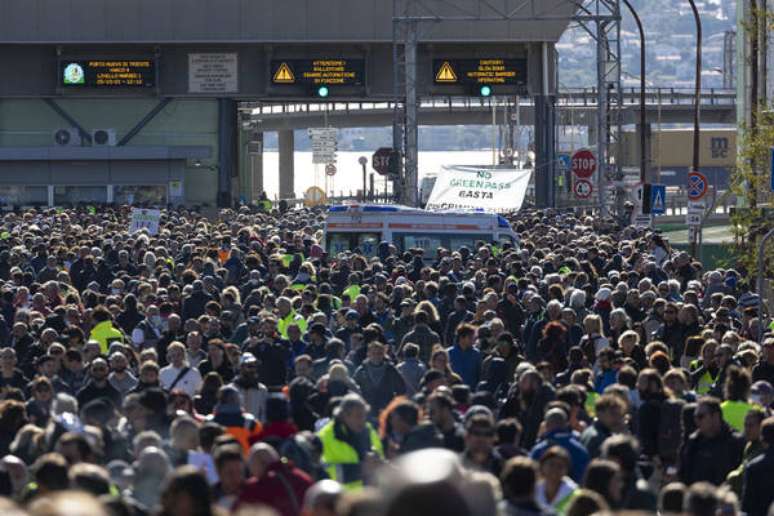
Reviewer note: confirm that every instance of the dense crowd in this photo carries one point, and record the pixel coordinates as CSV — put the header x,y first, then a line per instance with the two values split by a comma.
x,y
232,365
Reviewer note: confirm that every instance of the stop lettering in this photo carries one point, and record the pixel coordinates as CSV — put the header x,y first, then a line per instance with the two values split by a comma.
x,y
583,164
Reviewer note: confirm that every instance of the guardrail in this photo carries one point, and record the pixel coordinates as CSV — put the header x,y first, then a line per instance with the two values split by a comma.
x,y
676,202
676,205
572,97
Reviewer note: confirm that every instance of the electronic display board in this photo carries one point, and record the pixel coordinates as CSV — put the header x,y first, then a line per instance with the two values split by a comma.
x,y
107,73
489,71
323,71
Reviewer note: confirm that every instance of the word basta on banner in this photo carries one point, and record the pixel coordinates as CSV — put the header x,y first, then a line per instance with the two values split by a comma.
x,y
468,187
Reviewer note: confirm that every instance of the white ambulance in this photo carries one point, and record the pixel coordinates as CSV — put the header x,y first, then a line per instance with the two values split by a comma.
x,y
364,226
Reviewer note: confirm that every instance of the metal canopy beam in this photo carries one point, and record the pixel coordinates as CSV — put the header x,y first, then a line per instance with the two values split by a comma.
x,y
134,131
67,117
601,18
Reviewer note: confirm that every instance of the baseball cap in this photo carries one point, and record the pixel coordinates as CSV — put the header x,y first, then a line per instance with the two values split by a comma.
x,y
247,358
351,314
762,388
317,328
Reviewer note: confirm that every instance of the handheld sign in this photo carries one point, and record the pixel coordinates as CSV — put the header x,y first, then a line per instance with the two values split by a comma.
x,y
145,219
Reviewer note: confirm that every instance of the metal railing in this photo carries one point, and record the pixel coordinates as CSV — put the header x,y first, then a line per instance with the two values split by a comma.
x,y
581,97
676,203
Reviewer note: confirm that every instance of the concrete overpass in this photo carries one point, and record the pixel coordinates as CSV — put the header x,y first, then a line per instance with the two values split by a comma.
x,y
576,107
665,105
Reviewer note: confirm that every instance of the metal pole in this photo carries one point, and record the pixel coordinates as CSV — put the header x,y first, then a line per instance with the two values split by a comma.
x,y
696,103
755,98
411,114
493,103
365,180
601,117
763,51
643,118
761,266
396,120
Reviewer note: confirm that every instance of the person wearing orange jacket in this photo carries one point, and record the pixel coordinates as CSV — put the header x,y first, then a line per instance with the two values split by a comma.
x,y
238,423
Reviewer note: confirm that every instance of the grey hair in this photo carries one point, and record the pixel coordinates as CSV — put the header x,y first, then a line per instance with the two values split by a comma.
x,y
64,403
554,303
349,403
578,299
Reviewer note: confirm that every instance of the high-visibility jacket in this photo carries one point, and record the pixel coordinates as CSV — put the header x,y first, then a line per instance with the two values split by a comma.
x,y
241,426
105,333
705,383
290,318
340,458
352,291
734,413
591,403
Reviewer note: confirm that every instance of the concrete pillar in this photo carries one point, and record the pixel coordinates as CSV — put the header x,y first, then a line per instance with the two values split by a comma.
x,y
256,163
286,173
228,142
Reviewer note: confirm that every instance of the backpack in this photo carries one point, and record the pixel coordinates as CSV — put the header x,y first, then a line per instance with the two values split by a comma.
x,y
670,429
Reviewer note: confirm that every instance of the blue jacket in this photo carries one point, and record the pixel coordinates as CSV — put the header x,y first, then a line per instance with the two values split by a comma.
x,y
567,440
466,363
603,379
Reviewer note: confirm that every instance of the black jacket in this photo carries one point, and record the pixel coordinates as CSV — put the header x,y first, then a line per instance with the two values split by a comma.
x,y
193,305
758,495
273,359
91,392
710,460
763,371
593,437
379,394
424,435
531,414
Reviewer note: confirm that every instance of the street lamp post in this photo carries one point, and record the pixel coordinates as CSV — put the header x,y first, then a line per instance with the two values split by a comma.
x,y
696,104
643,116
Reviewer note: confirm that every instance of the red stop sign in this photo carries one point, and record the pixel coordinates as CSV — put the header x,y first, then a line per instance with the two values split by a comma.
x,y
380,161
583,164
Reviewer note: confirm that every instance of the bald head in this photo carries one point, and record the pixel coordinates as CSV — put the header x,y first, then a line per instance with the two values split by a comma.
x,y
261,456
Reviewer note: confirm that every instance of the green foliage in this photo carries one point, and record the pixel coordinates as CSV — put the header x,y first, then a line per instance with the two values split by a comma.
x,y
751,181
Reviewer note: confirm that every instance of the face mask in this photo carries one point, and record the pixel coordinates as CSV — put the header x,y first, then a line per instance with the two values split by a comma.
x,y
155,320
115,291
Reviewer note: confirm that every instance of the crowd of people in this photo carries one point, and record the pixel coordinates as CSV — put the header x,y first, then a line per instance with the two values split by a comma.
x,y
232,365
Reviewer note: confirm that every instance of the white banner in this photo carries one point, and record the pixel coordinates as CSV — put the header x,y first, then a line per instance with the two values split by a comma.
x,y
145,219
469,187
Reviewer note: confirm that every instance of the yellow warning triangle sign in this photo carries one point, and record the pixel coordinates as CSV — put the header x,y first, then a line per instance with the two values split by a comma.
x,y
284,75
446,73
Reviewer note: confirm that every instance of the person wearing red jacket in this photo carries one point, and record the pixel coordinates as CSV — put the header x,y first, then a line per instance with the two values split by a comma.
x,y
278,425
276,482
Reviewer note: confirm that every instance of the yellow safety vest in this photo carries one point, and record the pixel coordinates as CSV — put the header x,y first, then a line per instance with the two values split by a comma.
x,y
284,322
704,385
341,460
105,334
734,413
591,403
352,291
